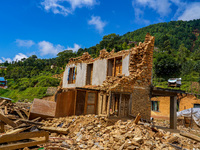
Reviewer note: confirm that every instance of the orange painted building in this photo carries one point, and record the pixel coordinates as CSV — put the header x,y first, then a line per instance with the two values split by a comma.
x,y
160,106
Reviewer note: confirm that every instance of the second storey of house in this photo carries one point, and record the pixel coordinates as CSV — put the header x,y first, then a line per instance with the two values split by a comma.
x,y
95,72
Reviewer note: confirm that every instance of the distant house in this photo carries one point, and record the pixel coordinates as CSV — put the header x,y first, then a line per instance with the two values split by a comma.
x,y
3,82
3,68
174,82
160,106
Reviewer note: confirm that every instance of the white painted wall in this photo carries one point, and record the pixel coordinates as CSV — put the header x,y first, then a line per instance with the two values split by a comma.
x,y
99,72
80,77
125,65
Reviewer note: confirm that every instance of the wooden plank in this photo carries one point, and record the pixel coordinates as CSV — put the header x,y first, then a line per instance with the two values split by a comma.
x,y
2,127
75,102
20,114
25,112
1,111
2,102
10,116
109,103
7,121
137,119
31,122
18,130
56,129
6,110
21,136
86,99
36,119
21,145
191,136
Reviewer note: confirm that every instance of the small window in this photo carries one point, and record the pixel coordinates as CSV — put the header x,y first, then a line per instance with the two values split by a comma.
x,y
89,74
196,105
72,75
114,67
155,105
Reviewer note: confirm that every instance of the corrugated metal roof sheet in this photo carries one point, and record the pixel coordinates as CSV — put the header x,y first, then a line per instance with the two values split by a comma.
x,y
2,79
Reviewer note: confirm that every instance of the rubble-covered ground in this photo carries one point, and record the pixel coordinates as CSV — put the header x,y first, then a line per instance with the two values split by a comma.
x,y
94,132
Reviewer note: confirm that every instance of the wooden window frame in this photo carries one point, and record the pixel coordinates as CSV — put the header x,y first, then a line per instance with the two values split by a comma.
x,y
153,108
71,73
114,65
196,104
91,74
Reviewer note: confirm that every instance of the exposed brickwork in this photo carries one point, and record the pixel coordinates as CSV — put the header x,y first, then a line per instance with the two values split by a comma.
x,y
164,107
141,103
140,69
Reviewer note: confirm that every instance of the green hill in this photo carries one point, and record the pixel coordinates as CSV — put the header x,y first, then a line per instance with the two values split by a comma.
x,y
176,54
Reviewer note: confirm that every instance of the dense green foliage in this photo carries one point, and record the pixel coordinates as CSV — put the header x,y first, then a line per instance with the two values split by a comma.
x,y
176,54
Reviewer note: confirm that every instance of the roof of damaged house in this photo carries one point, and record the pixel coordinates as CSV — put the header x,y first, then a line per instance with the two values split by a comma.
x,y
140,66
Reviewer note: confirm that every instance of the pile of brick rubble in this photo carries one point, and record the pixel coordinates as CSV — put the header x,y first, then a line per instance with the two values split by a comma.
x,y
93,132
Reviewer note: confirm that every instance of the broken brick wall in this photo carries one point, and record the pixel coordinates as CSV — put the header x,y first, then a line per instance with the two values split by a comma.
x,y
141,103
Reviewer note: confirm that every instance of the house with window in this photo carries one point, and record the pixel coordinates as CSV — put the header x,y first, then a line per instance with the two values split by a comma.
x,y
3,82
160,106
115,84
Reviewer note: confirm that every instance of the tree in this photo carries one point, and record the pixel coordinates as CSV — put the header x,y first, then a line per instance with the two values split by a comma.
x,y
165,65
124,45
196,54
182,54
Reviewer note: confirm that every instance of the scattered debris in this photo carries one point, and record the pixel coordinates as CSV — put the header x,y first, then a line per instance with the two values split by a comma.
x,y
16,130
92,132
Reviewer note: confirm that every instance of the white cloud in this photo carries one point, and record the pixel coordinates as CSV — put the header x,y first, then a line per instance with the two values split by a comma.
x,y
97,22
58,7
6,59
160,6
75,48
139,16
47,48
24,43
19,57
191,12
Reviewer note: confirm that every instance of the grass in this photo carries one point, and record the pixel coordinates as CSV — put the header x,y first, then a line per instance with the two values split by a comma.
x,y
27,95
185,86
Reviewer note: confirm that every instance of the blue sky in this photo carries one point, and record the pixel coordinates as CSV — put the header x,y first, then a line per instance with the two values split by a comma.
x,y
46,27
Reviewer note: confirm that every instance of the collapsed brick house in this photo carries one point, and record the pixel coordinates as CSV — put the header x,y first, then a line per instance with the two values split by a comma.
x,y
113,84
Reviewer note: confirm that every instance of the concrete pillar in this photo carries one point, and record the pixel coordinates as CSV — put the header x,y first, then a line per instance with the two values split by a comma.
x,y
173,115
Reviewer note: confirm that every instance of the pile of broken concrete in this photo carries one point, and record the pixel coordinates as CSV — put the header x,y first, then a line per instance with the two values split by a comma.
x,y
93,132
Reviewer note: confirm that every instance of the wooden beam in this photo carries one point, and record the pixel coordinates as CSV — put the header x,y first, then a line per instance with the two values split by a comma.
x,y
21,136
6,110
7,121
26,112
137,119
56,129
31,122
173,115
2,102
109,103
86,100
120,104
18,130
21,145
1,111
75,102
20,114
2,127
191,136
